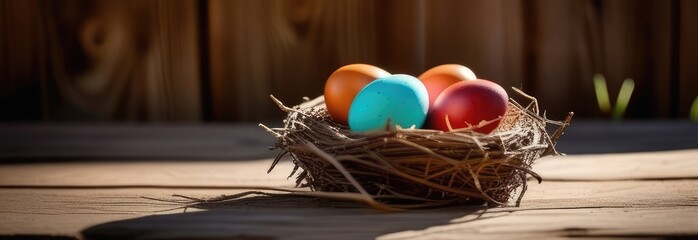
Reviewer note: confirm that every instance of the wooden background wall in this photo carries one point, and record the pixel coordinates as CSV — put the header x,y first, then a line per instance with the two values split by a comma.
x,y
218,60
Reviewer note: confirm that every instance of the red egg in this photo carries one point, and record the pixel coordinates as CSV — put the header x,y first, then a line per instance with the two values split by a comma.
x,y
343,85
468,103
440,77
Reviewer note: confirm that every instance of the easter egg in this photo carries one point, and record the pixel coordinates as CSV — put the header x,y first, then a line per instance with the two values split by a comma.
x,y
343,85
469,103
396,100
440,77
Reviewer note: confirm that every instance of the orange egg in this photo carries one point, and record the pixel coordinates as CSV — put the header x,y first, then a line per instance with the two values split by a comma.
x,y
440,77
343,85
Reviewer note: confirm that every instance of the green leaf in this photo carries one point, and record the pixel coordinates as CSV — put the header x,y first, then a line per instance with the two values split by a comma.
x,y
602,93
626,91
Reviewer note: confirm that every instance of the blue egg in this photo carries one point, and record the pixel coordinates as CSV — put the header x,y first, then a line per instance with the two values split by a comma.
x,y
401,99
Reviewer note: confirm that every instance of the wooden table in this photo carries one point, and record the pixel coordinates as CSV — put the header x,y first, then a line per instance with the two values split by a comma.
x,y
97,195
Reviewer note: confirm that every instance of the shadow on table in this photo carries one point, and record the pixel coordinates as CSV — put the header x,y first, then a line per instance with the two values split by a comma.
x,y
278,217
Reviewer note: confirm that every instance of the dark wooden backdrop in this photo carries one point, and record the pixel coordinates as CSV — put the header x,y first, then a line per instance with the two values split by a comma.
x,y
185,60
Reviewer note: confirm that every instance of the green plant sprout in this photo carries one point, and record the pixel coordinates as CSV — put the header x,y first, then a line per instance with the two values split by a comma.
x,y
693,113
626,90
604,101
602,93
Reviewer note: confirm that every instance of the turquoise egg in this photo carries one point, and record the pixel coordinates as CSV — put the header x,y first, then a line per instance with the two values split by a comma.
x,y
399,99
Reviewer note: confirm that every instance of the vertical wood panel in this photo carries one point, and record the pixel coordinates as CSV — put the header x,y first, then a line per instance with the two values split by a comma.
x,y
656,62
561,78
620,39
401,48
483,35
688,55
637,40
21,57
285,48
140,60
105,60
174,61
557,66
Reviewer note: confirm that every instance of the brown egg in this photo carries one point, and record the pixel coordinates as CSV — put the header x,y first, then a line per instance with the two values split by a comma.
x,y
440,77
343,85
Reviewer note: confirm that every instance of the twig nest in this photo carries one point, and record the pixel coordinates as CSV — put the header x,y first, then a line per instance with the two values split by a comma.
x,y
413,168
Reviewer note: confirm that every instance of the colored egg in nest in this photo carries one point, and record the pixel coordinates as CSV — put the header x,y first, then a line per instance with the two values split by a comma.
x,y
343,85
440,77
468,103
389,101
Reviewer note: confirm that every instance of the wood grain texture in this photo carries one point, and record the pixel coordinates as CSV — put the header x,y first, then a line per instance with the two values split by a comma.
x,y
608,223
553,56
183,174
646,42
658,208
24,143
556,56
401,35
134,142
483,35
688,56
66,212
22,60
106,60
285,48
615,209
185,60
619,39
683,164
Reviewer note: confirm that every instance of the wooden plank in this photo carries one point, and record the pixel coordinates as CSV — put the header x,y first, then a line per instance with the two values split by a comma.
x,y
609,209
133,60
51,142
117,60
688,56
172,72
483,35
107,60
569,223
552,209
42,142
147,173
587,137
628,166
51,212
628,26
21,60
275,223
66,212
555,54
285,48
608,194
400,35
679,164
569,41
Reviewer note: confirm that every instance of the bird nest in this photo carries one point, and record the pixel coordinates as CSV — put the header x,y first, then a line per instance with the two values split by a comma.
x,y
403,168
